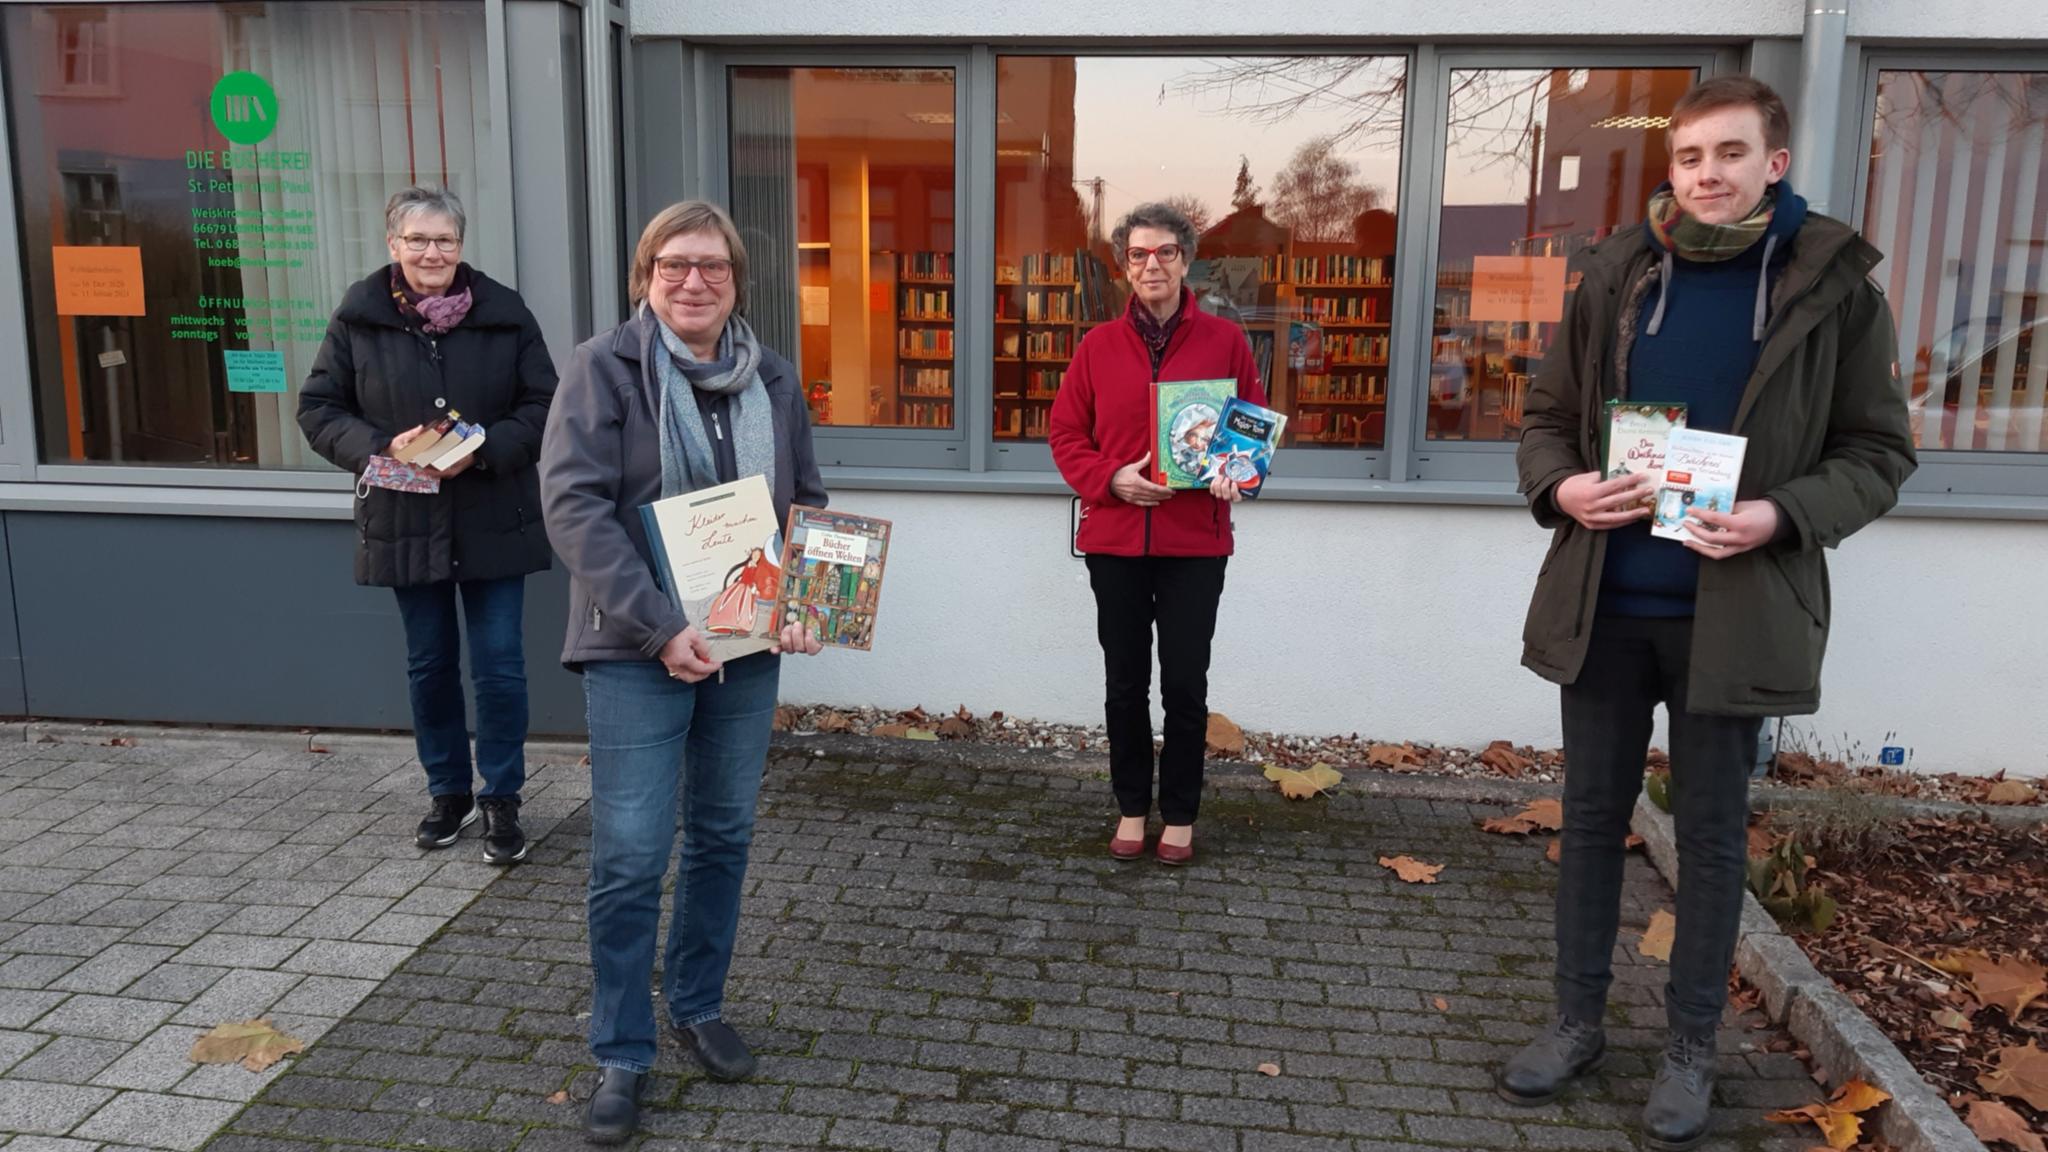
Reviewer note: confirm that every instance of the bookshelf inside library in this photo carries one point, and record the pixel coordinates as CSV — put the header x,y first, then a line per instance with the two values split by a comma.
x,y
924,298
1045,303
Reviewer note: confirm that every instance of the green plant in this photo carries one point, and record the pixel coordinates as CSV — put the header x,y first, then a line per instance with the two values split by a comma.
x,y
1849,830
1778,879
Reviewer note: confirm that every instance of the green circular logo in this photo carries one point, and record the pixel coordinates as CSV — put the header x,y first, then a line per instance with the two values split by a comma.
x,y
244,107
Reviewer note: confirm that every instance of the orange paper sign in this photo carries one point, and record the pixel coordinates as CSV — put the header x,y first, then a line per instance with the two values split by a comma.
x,y
1519,289
98,281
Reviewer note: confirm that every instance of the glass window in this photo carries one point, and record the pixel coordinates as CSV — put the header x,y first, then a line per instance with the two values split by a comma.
x,y
1539,164
1294,219
1956,203
191,230
842,185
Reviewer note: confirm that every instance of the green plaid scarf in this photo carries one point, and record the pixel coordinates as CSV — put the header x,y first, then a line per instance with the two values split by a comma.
x,y
1708,243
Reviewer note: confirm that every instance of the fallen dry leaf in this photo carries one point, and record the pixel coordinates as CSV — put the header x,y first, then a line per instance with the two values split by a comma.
x,y
1952,1020
1442,1005
2008,983
560,1097
1554,853
1270,1069
1545,815
1300,784
956,727
893,731
1395,756
833,722
2022,1074
1411,870
1656,942
1839,1119
921,734
1225,738
253,1044
319,749
1502,757
121,742
1994,1122
786,717
2011,792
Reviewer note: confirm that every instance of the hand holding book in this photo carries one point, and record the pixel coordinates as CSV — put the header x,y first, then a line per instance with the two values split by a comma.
x,y
1603,505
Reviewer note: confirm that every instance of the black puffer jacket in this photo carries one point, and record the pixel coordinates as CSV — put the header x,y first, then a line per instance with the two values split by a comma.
x,y
378,375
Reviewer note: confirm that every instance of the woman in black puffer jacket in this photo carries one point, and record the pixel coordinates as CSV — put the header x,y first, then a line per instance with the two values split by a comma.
x,y
424,338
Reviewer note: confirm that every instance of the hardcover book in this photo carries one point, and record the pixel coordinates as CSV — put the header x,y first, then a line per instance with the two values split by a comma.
x,y
832,566
718,556
1632,440
1185,414
1242,449
1701,470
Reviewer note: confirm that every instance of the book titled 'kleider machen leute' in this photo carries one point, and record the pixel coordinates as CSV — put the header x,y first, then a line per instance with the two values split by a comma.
x,y
1185,414
1242,449
718,554
1701,471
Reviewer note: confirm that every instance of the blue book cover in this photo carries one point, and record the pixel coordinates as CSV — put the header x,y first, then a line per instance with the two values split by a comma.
x,y
1242,449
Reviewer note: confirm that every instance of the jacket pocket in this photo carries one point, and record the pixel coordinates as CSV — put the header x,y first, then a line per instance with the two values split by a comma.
x,y
1804,575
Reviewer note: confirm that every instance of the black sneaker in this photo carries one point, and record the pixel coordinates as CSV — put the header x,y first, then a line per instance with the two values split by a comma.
x,y
504,841
450,815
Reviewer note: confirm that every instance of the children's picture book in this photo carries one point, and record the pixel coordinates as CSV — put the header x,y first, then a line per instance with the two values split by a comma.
x,y
1304,346
1242,449
832,566
718,555
1701,470
1633,436
1185,413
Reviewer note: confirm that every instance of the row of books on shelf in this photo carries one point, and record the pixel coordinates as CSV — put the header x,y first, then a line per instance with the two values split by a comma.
x,y
1341,389
936,266
1057,344
1035,423
935,382
924,413
1344,310
925,342
1057,307
1354,348
1043,383
1339,271
1337,427
928,304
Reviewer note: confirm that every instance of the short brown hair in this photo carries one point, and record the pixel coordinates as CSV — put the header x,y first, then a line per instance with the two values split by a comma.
x,y
1733,92
679,220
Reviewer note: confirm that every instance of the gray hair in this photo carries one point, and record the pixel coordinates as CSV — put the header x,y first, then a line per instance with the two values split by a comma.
x,y
1155,215
422,200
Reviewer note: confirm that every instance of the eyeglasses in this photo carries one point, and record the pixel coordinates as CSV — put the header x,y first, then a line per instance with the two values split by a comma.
x,y
443,243
1136,257
675,269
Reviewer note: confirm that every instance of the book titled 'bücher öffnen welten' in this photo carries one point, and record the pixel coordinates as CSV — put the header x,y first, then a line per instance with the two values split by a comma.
x,y
832,575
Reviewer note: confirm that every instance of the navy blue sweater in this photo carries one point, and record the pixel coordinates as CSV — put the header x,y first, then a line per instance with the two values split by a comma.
x,y
1701,356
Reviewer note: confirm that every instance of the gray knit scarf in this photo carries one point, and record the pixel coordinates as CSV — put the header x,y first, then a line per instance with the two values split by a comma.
x,y
687,461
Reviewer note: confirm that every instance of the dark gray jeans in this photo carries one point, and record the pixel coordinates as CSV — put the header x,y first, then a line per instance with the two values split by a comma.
x,y
1631,665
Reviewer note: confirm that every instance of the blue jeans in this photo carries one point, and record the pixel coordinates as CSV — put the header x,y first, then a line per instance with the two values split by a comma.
x,y
654,740
495,610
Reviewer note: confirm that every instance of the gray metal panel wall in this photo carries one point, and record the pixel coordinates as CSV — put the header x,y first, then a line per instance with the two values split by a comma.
x,y
229,620
13,687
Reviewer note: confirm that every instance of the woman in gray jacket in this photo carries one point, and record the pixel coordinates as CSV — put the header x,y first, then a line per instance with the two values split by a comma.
x,y
678,398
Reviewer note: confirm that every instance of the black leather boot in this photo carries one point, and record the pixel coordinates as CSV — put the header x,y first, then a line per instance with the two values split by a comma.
x,y
719,1049
615,1106
1538,1074
1675,1118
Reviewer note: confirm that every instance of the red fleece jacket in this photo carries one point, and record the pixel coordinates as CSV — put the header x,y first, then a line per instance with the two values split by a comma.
x,y
1100,424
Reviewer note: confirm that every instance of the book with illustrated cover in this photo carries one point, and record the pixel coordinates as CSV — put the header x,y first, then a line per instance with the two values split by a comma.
x,y
832,566
1632,438
443,444
1185,413
1242,449
1701,470
717,554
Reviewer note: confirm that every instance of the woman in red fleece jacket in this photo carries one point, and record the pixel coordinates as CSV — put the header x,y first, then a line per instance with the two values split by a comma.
x,y
1155,555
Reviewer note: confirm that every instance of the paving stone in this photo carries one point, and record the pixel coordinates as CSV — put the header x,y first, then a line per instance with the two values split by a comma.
x,y
242,994
325,996
16,1047
181,983
338,958
228,950
47,1109
114,969
19,1008
106,1017
147,1119
398,928
69,1060
264,920
156,1063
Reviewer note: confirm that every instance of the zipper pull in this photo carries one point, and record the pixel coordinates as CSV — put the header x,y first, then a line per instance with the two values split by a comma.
x,y
596,618
717,427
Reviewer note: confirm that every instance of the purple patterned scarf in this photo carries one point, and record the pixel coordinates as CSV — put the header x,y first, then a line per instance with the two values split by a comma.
x,y
1154,331
437,315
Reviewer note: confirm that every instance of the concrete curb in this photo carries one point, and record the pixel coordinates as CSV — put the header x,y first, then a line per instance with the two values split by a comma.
x,y
1844,1041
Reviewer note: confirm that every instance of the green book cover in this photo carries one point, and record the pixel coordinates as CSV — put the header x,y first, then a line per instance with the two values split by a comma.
x,y
1185,414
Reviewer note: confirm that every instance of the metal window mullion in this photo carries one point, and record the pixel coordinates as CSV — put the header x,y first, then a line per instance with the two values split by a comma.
x,y
1415,242
974,247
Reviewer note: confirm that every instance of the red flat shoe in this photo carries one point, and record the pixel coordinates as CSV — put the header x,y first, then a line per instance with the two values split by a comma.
x,y
1175,857
1126,849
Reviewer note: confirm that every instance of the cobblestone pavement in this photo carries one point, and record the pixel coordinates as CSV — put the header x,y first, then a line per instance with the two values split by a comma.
x,y
944,959
148,893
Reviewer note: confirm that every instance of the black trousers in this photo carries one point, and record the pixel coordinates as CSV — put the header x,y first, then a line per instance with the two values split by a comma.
x,y
1179,594
1631,665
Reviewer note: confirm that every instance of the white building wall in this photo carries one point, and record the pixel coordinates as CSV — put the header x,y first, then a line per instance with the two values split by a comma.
x,y
1404,622
910,20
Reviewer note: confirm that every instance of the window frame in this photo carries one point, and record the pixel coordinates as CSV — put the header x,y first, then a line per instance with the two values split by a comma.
x,y
110,87
938,450
1943,474
1493,461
